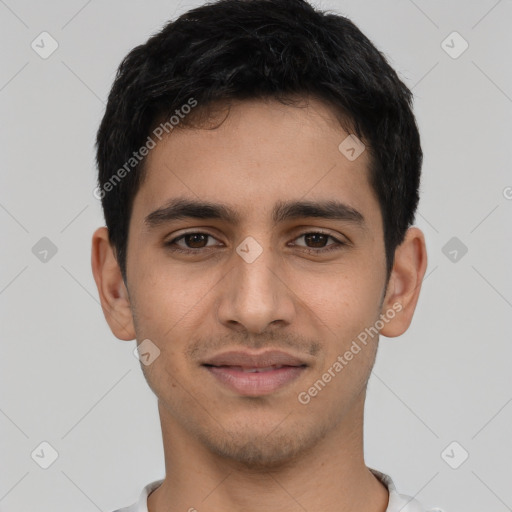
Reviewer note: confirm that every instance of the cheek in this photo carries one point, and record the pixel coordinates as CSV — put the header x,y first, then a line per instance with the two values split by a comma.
x,y
343,310
344,302
172,307
164,313
168,295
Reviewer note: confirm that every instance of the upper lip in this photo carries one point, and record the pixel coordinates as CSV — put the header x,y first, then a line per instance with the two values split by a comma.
x,y
246,359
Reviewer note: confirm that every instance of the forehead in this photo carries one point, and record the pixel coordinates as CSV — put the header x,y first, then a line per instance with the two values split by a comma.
x,y
262,155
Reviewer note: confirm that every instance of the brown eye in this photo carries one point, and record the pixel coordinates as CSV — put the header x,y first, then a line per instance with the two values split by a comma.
x,y
196,240
317,239
316,242
190,242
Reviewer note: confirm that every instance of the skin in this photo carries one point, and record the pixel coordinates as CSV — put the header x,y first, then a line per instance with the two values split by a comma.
x,y
224,451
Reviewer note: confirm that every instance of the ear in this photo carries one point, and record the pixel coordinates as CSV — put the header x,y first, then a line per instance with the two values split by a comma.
x,y
111,288
405,282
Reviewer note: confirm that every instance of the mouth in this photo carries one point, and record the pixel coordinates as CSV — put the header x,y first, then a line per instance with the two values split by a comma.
x,y
250,374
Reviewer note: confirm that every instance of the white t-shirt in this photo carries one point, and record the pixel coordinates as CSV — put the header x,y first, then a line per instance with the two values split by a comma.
x,y
397,502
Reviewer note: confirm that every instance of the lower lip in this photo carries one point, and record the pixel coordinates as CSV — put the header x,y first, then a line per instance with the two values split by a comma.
x,y
255,383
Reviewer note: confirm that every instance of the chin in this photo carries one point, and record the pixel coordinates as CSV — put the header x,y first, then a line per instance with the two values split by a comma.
x,y
261,450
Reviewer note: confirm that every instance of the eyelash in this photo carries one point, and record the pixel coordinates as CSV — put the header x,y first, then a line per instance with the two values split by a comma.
x,y
332,247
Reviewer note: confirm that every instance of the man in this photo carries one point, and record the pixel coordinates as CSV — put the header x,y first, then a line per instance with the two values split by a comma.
x,y
259,166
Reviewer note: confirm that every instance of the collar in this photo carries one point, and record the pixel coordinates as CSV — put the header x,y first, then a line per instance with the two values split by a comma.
x,y
397,502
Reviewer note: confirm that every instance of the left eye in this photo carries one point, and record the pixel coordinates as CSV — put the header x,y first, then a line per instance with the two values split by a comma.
x,y
318,239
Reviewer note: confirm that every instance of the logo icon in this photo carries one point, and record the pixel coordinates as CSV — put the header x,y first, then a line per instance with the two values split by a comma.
x,y
44,250
44,455
454,455
454,250
249,249
44,45
146,352
351,147
454,45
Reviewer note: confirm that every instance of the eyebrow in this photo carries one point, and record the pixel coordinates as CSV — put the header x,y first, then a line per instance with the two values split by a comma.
x,y
181,208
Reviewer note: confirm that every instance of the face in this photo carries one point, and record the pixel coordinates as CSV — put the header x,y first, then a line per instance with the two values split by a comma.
x,y
254,299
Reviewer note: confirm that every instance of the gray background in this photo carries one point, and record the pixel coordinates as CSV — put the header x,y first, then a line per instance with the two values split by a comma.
x,y
65,379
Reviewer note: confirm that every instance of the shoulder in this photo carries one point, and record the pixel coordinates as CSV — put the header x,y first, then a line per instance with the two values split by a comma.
x,y
142,504
131,508
398,502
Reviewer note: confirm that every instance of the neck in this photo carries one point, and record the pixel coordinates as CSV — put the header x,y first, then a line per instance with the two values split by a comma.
x,y
332,475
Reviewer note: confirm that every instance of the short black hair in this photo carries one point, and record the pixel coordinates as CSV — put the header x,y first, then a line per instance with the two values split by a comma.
x,y
256,49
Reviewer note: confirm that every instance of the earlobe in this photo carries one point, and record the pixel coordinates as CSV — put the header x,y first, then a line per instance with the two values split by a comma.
x,y
405,282
112,291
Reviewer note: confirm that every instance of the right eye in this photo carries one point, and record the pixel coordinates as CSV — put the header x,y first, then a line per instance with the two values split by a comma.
x,y
195,241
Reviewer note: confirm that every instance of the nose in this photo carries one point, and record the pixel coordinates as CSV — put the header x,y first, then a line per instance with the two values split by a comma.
x,y
256,295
